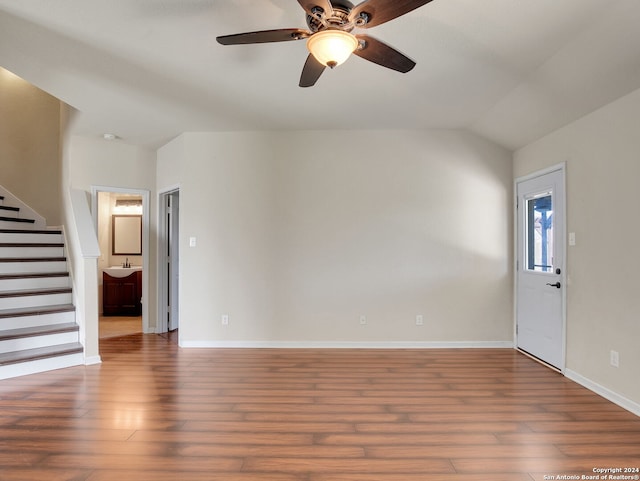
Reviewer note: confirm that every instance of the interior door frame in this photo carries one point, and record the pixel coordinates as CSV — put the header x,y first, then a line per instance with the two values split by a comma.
x,y
163,271
145,194
562,167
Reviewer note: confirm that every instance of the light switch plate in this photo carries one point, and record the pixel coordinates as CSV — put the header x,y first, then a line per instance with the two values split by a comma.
x,y
192,241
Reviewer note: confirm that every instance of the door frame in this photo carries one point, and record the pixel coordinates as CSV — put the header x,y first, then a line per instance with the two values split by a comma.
x,y
562,167
144,193
163,301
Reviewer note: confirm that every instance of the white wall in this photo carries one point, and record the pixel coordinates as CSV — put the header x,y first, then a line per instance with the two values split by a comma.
x,y
297,237
603,301
96,162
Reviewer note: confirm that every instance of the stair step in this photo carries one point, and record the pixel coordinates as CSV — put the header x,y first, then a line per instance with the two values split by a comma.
x,y
35,297
38,280
34,275
9,209
38,330
27,355
31,244
36,311
35,292
27,231
13,219
32,316
25,236
33,259
11,213
9,250
16,265
23,338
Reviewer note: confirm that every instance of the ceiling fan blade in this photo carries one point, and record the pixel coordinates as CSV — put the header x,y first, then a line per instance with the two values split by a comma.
x,y
308,6
379,52
264,36
311,72
381,11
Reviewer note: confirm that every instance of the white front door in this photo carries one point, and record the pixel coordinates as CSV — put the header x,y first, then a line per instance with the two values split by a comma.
x,y
540,274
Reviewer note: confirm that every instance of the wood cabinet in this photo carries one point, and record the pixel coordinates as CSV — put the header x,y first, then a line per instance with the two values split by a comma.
x,y
121,296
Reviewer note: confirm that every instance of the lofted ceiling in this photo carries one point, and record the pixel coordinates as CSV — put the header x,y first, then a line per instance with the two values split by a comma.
x,y
147,70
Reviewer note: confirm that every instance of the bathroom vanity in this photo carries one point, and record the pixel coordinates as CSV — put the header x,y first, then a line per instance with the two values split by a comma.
x,y
122,291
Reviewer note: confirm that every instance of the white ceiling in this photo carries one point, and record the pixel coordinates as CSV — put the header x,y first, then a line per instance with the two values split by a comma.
x,y
147,70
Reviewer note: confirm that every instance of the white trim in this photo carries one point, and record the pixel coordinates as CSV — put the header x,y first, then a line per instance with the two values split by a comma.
x,y
90,361
349,344
538,173
606,393
562,167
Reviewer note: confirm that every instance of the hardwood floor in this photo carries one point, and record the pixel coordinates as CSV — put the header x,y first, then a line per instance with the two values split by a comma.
x,y
116,326
152,411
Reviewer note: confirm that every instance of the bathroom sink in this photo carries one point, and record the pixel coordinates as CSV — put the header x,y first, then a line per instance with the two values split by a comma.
x,y
119,271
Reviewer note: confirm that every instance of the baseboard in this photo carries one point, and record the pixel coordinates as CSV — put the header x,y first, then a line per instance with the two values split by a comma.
x,y
348,344
606,393
89,361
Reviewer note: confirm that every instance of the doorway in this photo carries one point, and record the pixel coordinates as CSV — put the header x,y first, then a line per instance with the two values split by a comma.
x,y
115,210
169,262
540,266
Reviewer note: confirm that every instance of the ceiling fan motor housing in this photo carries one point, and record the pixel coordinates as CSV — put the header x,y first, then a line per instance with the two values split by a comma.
x,y
338,19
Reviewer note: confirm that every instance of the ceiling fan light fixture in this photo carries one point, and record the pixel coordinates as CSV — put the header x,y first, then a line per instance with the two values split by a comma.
x,y
332,47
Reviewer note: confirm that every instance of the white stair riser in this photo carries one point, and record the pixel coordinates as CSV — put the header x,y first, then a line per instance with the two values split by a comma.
x,y
41,365
32,267
30,252
39,320
9,213
33,283
35,301
31,238
6,224
11,345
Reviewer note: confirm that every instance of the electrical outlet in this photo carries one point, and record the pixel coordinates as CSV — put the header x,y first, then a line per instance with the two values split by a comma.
x,y
363,320
225,319
419,320
615,359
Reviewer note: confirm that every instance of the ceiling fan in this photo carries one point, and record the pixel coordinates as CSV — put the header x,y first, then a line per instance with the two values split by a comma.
x,y
329,38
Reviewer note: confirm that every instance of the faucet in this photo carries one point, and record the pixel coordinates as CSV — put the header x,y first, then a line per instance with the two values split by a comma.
x,y
126,264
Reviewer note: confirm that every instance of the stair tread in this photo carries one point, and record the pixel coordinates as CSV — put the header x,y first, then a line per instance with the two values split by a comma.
x,y
33,259
36,311
33,275
38,330
40,353
12,209
31,244
13,219
35,292
29,231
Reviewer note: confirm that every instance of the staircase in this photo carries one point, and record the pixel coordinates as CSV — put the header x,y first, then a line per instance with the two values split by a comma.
x,y
38,329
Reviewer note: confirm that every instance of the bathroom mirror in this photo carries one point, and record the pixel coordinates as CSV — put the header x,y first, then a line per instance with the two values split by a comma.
x,y
126,235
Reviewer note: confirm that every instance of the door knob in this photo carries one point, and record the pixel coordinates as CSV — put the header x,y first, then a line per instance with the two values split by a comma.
x,y
557,285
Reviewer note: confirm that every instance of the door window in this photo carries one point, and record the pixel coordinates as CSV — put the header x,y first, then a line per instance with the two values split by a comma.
x,y
539,233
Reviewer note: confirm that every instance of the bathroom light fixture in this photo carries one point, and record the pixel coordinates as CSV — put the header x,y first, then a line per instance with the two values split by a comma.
x,y
109,136
128,202
332,47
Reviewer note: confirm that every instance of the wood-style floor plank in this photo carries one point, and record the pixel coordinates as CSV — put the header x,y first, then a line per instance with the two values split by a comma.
x,y
154,412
